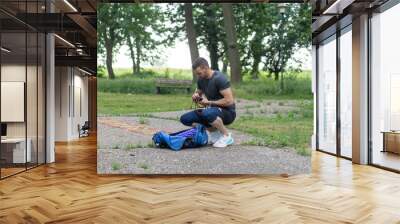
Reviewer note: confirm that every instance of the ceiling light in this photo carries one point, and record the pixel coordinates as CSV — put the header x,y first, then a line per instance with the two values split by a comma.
x,y
5,50
64,40
70,5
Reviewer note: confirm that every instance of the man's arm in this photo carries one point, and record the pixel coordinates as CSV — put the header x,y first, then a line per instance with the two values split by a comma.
x,y
224,102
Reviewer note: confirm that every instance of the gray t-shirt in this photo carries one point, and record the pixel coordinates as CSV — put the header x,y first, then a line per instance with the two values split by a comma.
x,y
212,87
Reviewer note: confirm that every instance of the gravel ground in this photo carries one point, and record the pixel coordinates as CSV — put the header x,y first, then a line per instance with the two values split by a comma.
x,y
116,154
110,137
207,160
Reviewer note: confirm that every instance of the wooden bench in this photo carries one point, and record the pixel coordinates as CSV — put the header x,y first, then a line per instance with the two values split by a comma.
x,y
172,83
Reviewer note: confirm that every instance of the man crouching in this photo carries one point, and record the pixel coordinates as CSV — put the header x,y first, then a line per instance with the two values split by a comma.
x,y
214,92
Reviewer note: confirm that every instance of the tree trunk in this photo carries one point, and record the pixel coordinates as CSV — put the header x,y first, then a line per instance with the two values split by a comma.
x,y
109,58
130,44
254,67
138,55
212,48
191,34
276,75
225,65
276,67
257,52
231,39
212,38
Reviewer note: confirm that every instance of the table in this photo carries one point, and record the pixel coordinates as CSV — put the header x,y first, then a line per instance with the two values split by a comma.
x,y
391,141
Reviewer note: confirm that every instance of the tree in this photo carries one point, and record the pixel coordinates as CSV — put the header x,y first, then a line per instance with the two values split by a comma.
x,y
208,19
233,52
145,32
291,33
191,34
268,38
109,33
208,27
254,24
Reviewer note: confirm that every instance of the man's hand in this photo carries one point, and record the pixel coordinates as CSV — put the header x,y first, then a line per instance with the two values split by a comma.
x,y
204,102
196,96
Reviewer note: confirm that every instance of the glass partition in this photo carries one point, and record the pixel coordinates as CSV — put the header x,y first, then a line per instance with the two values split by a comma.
x,y
346,93
22,101
385,89
327,95
15,151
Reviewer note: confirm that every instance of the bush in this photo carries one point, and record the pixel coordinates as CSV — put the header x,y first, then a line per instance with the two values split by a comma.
x,y
294,84
133,85
101,72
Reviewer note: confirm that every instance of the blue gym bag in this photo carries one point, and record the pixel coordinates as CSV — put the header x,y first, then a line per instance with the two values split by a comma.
x,y
189,138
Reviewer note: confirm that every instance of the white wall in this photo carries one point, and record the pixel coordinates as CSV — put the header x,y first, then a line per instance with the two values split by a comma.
x,y
62,81
70,83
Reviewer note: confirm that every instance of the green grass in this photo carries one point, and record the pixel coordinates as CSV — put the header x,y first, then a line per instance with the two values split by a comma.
x,y
284,130
297,85
131,146
116,166
294,88
143,120
116,146
126,85
143,166
118,104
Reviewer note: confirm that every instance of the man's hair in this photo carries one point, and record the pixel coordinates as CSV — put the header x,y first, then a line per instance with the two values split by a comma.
x,y
200,62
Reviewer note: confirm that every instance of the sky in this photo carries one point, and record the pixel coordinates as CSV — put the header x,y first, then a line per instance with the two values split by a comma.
x,y
178,56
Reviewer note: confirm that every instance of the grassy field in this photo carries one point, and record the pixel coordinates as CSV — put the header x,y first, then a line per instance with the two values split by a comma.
x,y
293,129
118,104
128,95
296,85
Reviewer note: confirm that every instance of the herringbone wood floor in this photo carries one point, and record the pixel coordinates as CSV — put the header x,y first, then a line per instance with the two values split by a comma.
x,y
70,191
